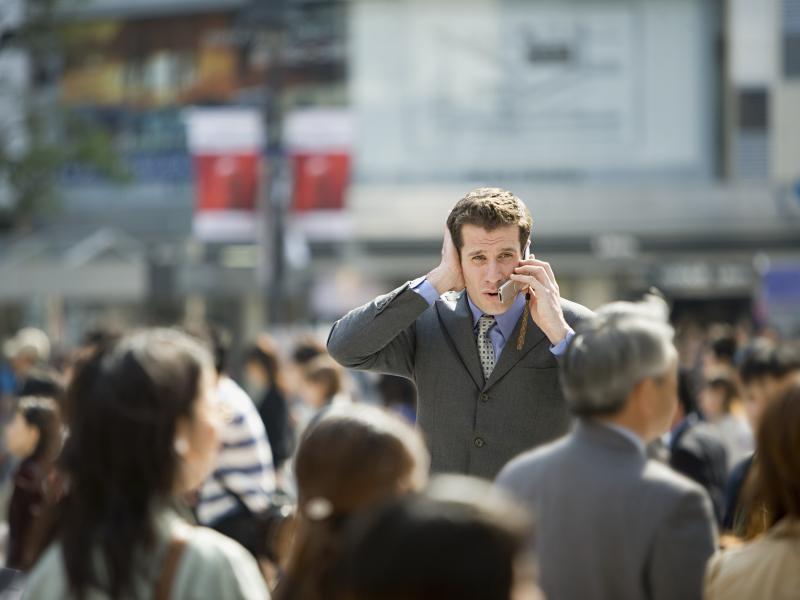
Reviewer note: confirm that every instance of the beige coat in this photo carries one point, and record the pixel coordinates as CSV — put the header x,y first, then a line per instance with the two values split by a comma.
x,y
766,568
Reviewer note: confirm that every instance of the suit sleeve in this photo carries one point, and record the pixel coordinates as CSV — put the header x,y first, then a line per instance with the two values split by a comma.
x,y
684,542
381,335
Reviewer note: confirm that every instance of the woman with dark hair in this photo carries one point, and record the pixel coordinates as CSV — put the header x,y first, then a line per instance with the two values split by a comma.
x,y
264,383
768,566
143,431
33,436
461,539
352,459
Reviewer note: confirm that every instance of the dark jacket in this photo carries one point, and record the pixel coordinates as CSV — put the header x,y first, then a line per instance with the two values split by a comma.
x,y
274,413
697,452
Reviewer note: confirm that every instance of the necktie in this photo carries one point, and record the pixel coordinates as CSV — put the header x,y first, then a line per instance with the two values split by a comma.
x,y
485,348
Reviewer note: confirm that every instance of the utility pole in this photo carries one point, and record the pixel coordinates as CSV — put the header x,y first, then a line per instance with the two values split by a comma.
x,y
267,21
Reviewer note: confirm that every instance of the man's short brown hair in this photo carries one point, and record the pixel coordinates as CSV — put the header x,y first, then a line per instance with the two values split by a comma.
x,y
489,208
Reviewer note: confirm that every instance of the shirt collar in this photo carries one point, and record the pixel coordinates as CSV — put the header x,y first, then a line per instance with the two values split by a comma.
x,y
628,433
507,321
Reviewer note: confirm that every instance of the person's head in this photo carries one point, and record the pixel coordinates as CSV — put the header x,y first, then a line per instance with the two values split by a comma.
x,y
35,430
764,370
262,367
353,458
321,380
776,479
101,336
490,228
144,429
29,347
622,364
722,346
307,349
461,539
717,396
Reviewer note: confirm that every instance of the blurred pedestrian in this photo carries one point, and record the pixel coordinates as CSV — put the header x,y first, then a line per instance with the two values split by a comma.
x,y
458,540
321,385
263,379
144,430
610,523
350,460
719,355
33,436
28,352
242,481
768,567
717,399
696,449
765,369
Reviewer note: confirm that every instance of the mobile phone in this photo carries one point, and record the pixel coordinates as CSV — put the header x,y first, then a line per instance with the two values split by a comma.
x,y
509,290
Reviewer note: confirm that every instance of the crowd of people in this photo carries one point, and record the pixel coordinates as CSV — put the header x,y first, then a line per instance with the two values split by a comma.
x,y
294,490
621,460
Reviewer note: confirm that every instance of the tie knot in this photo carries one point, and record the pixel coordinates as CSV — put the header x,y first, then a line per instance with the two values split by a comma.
x,y
485,322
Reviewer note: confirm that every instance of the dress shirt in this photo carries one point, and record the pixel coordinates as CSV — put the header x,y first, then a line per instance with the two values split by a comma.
x,y
505,322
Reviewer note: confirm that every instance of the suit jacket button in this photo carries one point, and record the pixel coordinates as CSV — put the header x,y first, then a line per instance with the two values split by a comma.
x,y
484,397
479,442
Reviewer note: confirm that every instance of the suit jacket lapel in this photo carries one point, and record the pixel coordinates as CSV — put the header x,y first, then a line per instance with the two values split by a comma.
x,y
457,323
510,355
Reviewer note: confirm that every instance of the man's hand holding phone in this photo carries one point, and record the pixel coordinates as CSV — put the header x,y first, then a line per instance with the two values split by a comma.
x,y
545,303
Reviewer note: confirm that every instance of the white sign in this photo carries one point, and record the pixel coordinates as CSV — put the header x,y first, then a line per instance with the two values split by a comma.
x,y
465,89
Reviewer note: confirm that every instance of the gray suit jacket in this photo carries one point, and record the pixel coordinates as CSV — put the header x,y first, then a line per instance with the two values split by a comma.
x,y
611,524
472,426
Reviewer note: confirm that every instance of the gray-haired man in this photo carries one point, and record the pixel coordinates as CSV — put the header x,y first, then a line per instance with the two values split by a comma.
x,y
612,524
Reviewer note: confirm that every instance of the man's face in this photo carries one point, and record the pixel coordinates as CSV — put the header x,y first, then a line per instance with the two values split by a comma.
x,y
487,260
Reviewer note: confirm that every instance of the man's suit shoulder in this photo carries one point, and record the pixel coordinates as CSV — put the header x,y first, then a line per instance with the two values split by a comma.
x,y
668,483
527,465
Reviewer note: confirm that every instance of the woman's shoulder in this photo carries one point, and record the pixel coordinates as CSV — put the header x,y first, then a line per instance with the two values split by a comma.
x,y
206,544
216,566
767,563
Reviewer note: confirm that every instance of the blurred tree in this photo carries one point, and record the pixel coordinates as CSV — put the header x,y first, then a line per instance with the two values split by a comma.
x,y
38,135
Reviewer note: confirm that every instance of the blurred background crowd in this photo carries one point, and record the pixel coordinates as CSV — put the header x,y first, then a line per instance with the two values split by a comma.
x,y
250,171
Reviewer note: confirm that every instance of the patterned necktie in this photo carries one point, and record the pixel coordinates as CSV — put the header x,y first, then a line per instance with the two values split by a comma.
x,y
485,348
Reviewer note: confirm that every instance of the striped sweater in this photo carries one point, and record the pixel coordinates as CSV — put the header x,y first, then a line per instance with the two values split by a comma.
x,y
244,463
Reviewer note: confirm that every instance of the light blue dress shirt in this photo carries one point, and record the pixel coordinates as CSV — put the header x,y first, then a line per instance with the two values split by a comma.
x,y
505,323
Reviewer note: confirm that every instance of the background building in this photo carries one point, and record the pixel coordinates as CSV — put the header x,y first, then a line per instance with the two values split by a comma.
x,y
656,143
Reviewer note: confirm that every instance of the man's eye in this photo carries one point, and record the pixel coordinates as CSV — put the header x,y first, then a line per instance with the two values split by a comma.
x,y
478,259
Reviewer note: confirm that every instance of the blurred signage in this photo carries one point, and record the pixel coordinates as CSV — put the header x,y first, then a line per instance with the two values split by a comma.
x,y
703,278
319,144
780,297
226,146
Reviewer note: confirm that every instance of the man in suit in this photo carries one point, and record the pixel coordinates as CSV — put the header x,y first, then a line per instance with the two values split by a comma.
x,y
696,448
611,524
486,371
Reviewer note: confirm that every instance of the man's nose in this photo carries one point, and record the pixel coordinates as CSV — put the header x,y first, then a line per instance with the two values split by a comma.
x,y
493,272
